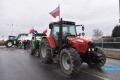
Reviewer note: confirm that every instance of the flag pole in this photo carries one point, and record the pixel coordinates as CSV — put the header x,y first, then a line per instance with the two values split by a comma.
x,y
59,12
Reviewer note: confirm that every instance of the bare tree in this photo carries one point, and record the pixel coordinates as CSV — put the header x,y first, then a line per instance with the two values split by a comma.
x,y
97,34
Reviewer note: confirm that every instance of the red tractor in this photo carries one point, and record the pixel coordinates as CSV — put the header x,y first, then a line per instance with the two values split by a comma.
x,y
64,46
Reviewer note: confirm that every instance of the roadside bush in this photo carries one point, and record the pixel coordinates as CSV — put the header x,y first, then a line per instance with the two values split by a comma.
x,y
2,42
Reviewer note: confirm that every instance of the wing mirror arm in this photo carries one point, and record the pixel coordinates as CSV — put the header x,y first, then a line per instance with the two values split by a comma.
x,y
82,27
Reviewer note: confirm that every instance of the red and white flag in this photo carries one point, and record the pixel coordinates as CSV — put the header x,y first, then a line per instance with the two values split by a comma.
x,y
45,31
31,31
55,12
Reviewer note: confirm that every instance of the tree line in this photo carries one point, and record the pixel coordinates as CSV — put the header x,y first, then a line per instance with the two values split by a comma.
x,y
98,33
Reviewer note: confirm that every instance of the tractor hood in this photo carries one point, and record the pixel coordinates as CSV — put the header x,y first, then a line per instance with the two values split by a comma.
x,y
81,44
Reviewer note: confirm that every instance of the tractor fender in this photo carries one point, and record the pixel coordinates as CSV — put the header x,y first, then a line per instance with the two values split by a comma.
x,y
51,41
8,41
62,47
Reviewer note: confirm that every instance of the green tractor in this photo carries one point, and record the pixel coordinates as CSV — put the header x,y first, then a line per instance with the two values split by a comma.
x,y
34,45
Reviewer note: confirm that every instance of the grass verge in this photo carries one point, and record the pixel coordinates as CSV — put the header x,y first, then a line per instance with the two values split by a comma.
x,y
112,54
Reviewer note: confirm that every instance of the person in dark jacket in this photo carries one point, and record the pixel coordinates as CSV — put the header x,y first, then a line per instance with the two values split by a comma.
x,y
25,43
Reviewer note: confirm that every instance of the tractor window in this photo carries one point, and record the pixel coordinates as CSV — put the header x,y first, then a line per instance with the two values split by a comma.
x,y
72,30
54,32
69,30
38,38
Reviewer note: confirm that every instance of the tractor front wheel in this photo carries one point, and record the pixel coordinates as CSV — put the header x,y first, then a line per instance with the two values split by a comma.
x,y
45,54
70,61
102,59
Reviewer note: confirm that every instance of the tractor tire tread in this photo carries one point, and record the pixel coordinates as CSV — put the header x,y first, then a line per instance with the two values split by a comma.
x,y
75,61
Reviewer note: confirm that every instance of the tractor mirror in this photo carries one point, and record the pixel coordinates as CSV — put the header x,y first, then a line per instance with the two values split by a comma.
x,y
83,28
83,34
50,26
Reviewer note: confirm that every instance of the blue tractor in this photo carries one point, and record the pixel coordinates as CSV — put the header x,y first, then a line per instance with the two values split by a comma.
x,y
14,40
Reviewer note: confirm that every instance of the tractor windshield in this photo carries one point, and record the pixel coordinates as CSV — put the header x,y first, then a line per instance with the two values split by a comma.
x,y
69,29
38,38
11,37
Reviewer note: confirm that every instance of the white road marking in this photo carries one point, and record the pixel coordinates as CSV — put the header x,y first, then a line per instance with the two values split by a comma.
x,y
95,75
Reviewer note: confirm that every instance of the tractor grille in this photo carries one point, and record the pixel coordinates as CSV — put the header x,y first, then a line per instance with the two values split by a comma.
x,y
81,47
91,45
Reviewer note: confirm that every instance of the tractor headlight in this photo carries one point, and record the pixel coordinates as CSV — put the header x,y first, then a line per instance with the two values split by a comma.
x,y
93,49
89,49
91,46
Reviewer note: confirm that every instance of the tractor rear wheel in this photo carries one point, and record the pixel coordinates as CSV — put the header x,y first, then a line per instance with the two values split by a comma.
x,y
45,54
9,44
70,61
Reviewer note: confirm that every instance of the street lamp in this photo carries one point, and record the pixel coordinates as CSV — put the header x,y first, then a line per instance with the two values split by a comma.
x,y
12,28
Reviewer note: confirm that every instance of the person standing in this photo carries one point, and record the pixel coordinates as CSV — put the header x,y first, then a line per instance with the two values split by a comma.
x,y
25,43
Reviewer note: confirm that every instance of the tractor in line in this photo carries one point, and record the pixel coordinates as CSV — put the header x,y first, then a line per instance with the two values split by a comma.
x,y
34,44
65,47
14,40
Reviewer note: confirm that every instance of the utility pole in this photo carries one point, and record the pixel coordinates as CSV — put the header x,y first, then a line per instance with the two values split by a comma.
x,y
12,28
3,37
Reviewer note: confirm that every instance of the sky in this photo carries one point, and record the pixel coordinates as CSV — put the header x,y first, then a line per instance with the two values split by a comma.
x,y
25,14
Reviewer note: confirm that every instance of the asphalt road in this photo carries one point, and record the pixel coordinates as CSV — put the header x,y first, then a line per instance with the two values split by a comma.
x,y
18,64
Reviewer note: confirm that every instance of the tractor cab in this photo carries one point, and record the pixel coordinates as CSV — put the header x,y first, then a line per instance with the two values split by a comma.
x,y
61,29
11,37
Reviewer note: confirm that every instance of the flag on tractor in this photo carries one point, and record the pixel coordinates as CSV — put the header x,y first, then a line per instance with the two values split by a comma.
x,y
45,31
31,31
35,32
55,12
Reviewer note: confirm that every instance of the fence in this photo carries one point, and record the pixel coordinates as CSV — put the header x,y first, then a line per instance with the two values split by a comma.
x,y
108,42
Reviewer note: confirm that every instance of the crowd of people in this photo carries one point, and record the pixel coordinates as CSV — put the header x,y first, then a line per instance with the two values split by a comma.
x,y
24,44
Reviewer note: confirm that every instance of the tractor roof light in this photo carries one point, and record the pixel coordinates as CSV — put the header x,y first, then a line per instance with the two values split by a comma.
x,y
68,22
64,22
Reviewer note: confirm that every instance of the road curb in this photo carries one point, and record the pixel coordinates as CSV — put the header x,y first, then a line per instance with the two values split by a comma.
x,y
113,58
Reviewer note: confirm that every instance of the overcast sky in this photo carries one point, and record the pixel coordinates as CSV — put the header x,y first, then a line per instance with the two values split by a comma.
x,y
100,14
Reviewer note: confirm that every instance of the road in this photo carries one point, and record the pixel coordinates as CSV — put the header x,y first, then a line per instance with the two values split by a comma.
x,y
18,64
